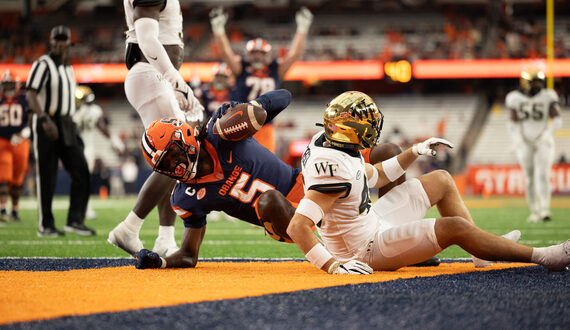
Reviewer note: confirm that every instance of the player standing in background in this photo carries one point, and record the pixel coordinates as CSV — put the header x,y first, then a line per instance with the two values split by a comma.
x,y
259,72
531,107
14,145
88,117
359,237
155,88
216,93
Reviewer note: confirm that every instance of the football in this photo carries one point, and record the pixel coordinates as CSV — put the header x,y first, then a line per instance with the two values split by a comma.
x,y
240,122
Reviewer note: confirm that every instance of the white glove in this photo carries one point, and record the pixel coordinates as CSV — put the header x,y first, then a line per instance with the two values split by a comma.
x,y
427,147
218,19
117,143
184,95
304,18
352,267
19,137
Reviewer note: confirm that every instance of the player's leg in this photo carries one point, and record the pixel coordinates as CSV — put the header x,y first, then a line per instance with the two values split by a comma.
x,y
5,176
152,98
89,152
165,243
275,211
488,246
543,159
525,156
21,155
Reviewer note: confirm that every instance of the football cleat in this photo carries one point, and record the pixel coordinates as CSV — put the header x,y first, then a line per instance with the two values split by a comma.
x,y
126,239
533,218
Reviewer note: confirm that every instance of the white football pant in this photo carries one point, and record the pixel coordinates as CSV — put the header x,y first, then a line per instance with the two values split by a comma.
x,y
151,94
536,161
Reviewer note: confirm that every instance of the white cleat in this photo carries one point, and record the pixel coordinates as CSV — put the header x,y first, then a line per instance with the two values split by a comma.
x,y
164,247
514,236
533,218
126,239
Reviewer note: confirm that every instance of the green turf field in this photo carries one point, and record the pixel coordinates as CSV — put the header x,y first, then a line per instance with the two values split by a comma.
x,y
232,238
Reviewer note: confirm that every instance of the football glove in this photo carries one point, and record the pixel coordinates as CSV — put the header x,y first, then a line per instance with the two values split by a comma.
x,y
147,259
350,267
184,94
304,18
223,108
427,147
218,19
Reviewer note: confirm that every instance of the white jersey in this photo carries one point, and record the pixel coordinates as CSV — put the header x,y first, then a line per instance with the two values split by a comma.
x,y
345,229
532,111
86,119
169,23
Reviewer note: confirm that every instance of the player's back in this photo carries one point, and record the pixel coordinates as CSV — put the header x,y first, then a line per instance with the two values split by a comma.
x,y
169,23
243,170
532,111
329,170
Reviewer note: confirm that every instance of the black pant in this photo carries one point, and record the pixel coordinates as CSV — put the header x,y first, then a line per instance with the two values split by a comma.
x,y
68,148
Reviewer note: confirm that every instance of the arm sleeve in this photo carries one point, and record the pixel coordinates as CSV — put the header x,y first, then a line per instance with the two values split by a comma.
x,y
146,29
274,102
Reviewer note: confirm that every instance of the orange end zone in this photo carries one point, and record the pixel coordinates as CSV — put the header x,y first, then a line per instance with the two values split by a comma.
x,y
28,295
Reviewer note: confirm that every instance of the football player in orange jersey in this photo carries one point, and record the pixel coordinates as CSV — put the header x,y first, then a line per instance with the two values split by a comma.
x,y
14,145
258,72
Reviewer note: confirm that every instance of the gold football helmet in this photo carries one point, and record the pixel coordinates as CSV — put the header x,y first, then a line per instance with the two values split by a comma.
x,y
83,95
532,81
352,120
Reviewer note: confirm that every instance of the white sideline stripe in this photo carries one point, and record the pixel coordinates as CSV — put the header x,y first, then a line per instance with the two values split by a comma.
x,y
63,242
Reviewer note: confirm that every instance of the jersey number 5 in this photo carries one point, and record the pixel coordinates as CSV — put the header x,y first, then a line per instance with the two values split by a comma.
x,y
247,196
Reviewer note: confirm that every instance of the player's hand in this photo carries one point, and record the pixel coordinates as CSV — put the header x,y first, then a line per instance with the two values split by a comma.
x,y
223,108
17,138
50,128
184,94
304,18
218,19
428,146
352,267
145,259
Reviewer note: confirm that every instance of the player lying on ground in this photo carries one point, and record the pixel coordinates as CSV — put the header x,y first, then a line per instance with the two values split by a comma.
x,y
359,237
240,177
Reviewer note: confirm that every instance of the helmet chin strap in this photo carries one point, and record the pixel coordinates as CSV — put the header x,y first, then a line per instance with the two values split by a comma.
x,y
194,169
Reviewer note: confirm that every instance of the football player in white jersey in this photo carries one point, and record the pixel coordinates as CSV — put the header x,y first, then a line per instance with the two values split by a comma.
x,y
531,108
359,237
89,117
155,88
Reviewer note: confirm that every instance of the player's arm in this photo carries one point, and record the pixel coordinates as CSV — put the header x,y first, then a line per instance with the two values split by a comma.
x,y
304,18
556,118
187,255
380,174
310,212
274,102
218,19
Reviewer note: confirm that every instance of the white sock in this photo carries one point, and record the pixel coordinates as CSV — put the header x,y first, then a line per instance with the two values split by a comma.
x,y
133,222
514,236
554,258
166,232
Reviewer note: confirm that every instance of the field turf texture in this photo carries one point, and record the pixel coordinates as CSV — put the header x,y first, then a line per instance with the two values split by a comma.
x,y
246,280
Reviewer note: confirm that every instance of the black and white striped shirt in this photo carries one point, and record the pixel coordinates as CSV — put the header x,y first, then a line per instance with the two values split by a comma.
x,y
55,85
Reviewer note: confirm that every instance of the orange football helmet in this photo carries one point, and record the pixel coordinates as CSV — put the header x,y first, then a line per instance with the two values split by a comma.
x,y
258,44
10,84
170,147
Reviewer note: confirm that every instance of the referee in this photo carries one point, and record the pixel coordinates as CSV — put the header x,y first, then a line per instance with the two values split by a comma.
x,y
51,96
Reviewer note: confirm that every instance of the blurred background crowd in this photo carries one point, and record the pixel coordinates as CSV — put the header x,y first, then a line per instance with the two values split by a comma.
x,y
348,30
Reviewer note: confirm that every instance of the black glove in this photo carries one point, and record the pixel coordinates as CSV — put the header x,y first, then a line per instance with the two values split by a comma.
x,y
147,259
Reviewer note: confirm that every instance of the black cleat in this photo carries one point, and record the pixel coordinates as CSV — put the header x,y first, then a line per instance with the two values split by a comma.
x,y
431,262
79,229
50,232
